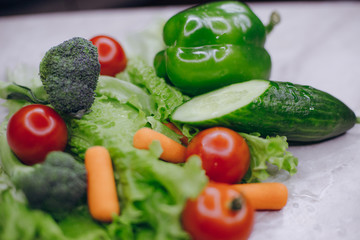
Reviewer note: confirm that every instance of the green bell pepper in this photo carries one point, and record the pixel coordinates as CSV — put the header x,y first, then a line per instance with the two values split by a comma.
x,y
213,45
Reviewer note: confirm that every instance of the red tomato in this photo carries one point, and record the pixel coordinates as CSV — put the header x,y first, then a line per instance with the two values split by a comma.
x,y
34,131
224,153
218,213
112,57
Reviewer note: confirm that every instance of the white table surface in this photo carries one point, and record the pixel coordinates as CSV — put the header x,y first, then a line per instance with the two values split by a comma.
x,y
315,44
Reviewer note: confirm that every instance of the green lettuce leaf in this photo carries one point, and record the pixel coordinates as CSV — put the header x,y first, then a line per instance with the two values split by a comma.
x,y
79,225
17,221
23,83
109,124
166,97
266,152
154,193
126,92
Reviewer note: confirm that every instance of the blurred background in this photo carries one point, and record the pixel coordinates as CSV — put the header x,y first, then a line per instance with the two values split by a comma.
x,y
16,7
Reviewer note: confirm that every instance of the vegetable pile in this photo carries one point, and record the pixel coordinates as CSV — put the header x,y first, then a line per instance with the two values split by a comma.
x,y
99,146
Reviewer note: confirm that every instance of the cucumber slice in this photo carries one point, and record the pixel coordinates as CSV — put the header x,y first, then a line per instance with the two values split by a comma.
x,y
218,103
301,113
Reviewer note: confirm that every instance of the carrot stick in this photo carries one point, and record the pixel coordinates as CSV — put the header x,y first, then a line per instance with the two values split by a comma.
x,y
184,140
172,151
264,196
102,196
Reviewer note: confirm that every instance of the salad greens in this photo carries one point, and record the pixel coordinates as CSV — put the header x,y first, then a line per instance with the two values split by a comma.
x,y
166,97
19,222
152,192
23,83
265,152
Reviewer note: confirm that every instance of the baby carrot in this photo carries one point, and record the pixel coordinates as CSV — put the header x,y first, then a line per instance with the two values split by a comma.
x,y
172,151
102,196
184,139
265,196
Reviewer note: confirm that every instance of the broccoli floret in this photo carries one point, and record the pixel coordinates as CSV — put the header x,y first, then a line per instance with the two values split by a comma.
x,y
57,185
69,73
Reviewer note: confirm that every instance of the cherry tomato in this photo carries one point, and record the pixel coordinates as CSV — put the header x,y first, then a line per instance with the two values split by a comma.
x,y
112,57
34,131
218,213
224,153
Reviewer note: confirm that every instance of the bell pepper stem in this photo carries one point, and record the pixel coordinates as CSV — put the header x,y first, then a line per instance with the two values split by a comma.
x,y
358,120
274,20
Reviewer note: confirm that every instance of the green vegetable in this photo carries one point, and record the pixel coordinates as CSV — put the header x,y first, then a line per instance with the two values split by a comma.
x,y
69,73
23,83
17,221
57,186
198,70
266,153
79,225
213,45
126,92
160,65
301,113
166,97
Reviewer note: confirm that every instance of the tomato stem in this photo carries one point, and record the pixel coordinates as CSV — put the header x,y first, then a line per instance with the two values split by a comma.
x,y
236,204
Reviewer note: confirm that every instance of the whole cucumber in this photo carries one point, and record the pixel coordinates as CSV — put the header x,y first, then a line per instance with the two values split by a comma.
x,y
301,113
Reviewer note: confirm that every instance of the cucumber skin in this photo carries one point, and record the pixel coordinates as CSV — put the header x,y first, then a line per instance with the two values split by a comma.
x,y
301,113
